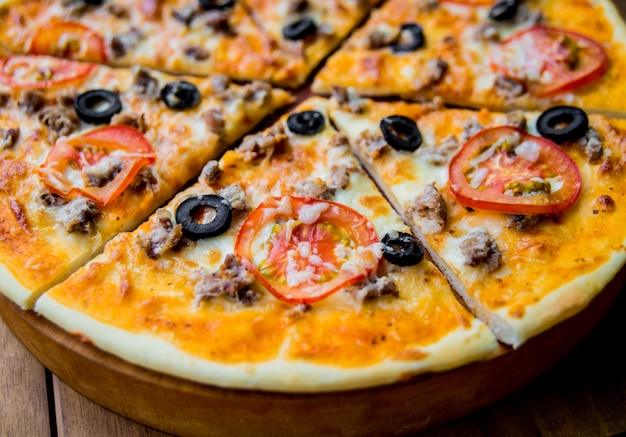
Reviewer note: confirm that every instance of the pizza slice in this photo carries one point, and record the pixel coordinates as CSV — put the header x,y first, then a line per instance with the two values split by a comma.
x,y
528,54
523,211
87,151
280,41
282,269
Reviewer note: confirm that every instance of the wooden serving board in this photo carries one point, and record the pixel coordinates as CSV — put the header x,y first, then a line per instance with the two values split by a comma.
x,y
186,408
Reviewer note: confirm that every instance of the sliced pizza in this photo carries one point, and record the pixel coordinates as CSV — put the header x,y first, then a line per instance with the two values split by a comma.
x,y
523,211
279,41
528,54
282,269
87,151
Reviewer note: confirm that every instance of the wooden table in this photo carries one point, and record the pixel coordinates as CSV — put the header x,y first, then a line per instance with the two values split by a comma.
x,y
583,395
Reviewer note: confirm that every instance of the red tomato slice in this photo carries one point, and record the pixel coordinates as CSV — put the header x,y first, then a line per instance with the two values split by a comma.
x,y
41,71
70,40
68,164
550,61
303,249
505,169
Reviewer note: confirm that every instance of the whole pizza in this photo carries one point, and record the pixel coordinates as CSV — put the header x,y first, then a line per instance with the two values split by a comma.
x,y
455,188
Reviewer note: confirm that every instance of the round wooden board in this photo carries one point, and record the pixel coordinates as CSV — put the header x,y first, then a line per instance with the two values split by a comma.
x,y
186,408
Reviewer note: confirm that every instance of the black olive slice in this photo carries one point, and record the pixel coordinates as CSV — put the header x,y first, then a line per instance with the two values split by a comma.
x,y
94,2
504,10
208,5
299,29
410,39
306,122
401,132
563,123
192,207
180,95
402,249
97,106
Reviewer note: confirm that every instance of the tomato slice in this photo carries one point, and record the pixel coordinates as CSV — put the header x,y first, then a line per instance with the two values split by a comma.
x,y
70,40
505,169
99,164
304,249
549,61
41,71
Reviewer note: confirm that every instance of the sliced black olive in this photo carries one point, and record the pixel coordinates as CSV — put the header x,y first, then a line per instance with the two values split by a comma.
x,y
402,249
504,10
306,122
97,106
193,207
207,5
180,95
94,2
401,132
299,29
410,39
563,123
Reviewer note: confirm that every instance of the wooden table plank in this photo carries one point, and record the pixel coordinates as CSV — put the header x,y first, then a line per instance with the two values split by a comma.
x,y
77,416
23,393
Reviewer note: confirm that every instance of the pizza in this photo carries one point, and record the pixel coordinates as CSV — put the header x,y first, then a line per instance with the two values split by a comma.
x,y
276,41
501,55
523,211
282,268
88,151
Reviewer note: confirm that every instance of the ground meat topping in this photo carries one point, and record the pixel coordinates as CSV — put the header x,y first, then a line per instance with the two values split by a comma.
x,y
470,128
236,196
146,179
146,85
219,84
432,73
125,42
231,279
185,15
138,121
438,155
215,121
479,247
508,88
32,101
298,6
59,119
428,210
339,140
339,178
604,203
78,215
592,145
313,187
197,53
52,200
4,99
210,173
116,10
523,222
75,8
8,137
348,100
100,174
163,235
373,287
260,145
372,145
380,38
517,119
215,19
487,31
257,91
